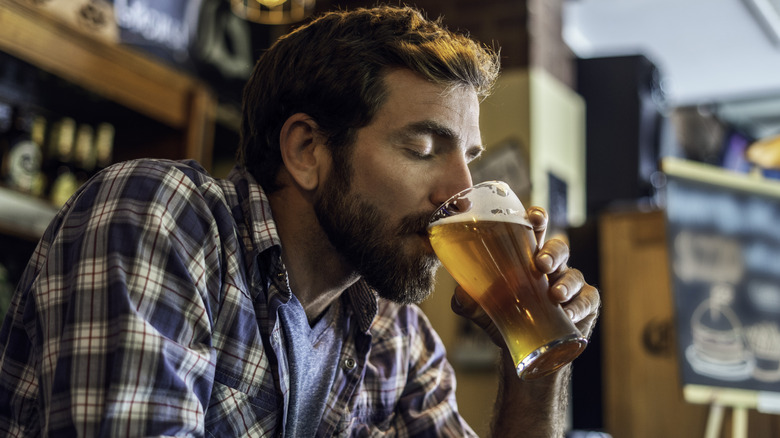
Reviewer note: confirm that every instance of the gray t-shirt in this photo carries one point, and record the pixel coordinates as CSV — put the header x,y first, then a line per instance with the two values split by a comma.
x,y
313,356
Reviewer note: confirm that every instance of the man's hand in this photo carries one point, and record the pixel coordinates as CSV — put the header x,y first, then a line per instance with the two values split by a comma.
x,y
580,300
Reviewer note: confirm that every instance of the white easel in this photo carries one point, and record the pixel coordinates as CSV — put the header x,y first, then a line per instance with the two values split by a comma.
x,y
739,416
719,399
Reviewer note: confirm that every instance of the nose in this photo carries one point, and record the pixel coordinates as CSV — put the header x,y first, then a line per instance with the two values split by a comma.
x,y
455,177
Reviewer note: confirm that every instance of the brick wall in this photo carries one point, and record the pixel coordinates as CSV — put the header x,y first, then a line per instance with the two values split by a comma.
x,y
528,32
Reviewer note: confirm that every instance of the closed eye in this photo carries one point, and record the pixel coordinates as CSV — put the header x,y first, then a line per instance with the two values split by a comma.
x,y
419,155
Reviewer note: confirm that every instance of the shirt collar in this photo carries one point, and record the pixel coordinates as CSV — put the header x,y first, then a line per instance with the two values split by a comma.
x,y
363,300
257,208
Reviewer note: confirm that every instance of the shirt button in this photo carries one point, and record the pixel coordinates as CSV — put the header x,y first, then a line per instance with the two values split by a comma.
x,y
349,364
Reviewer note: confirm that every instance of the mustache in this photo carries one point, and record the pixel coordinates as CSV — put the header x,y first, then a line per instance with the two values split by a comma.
x,y
415,223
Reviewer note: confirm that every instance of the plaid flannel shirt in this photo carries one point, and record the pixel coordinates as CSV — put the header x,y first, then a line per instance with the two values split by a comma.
x,y
149,307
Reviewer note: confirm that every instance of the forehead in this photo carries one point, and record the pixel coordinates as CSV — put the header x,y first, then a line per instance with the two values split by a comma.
x,y
405,83
411,98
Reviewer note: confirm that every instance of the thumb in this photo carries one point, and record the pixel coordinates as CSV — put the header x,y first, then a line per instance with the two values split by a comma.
x,y
465,306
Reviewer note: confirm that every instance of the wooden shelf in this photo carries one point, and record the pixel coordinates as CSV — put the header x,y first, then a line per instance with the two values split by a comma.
x,y
172,113
24,216
114,72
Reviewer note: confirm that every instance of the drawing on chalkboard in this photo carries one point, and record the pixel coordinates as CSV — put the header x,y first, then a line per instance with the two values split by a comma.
x,y
723,348
718,349
764,341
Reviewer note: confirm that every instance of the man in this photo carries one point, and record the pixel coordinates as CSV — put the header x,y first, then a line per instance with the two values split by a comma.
x,y
161,301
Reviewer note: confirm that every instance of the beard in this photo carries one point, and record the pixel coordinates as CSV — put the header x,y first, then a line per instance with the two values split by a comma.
x,y
375,248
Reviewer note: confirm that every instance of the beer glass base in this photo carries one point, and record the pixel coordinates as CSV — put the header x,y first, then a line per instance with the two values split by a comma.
x,y
549,358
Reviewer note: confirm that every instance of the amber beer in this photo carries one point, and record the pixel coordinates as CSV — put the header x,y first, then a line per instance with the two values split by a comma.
x,y
492,259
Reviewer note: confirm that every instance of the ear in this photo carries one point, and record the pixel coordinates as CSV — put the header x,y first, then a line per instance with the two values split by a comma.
x,y
304,151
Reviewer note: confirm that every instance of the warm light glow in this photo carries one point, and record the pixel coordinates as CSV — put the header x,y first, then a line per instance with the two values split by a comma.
x,y
271,3
273,11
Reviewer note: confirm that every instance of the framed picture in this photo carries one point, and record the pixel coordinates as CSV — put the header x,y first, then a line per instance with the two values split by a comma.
x,y
506,161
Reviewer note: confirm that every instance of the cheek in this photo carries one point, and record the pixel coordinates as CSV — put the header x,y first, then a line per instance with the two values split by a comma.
x,y
388,185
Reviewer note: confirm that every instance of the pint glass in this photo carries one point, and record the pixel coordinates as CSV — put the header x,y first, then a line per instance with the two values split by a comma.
x,y
484,239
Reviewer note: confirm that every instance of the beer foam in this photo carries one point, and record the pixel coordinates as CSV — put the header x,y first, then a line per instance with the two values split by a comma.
x,y
487,201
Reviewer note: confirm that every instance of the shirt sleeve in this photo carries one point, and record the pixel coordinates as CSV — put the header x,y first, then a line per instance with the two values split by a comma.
x,y
426,405
110,329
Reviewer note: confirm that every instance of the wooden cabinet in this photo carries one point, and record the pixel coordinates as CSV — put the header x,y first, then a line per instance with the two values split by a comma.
x,y
158,111
642,390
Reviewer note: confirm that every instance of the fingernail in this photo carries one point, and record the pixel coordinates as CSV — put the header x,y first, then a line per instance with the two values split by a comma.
x,y
570,313
562,290
537,212
546,260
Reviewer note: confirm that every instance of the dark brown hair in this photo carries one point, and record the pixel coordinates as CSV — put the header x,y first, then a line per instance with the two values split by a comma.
x,y
332,70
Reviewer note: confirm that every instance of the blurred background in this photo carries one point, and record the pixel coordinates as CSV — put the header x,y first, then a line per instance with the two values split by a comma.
x,y
648,129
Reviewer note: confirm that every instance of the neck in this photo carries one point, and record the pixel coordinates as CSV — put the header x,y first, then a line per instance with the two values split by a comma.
x,y
316,272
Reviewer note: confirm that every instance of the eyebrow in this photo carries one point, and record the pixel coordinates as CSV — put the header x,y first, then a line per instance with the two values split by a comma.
x,y
431,127
437,129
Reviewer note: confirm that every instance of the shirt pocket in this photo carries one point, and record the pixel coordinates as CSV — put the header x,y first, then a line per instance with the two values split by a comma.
x,y
240,409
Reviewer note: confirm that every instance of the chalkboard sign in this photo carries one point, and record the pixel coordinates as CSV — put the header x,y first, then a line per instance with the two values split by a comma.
x,y
723,234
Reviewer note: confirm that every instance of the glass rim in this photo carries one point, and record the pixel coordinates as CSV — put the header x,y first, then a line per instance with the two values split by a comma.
x,y
433,217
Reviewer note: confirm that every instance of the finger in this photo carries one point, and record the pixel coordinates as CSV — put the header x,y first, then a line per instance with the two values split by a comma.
x,y
552,256
566,284
584,309
463,304
538,218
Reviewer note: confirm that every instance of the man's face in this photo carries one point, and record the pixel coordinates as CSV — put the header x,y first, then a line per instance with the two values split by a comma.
x,y
410,159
